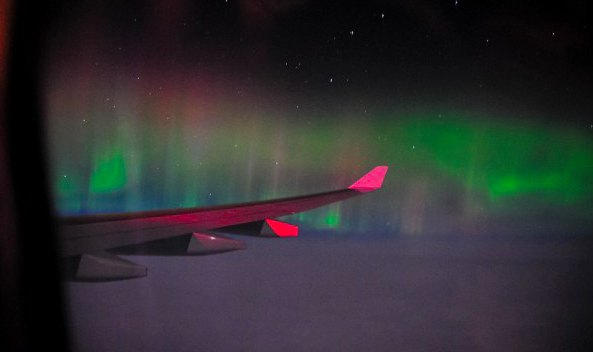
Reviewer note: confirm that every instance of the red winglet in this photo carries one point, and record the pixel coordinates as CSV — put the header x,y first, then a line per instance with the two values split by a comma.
x,y
371,181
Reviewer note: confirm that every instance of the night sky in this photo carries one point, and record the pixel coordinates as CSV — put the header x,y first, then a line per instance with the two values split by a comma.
x,y
482,110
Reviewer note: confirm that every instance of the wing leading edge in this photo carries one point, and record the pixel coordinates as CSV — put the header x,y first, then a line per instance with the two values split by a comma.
x,y
96,233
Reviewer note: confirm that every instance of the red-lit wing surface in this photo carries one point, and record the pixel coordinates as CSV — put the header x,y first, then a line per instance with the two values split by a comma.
x,y
88,234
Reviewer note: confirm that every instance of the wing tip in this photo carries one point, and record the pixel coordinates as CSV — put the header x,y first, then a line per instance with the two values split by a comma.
x,y
371,181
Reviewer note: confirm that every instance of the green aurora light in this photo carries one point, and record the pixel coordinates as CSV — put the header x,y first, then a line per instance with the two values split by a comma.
x,y
491,165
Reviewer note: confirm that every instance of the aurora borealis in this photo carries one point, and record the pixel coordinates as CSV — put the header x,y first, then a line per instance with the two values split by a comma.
x,y
440,163
152,107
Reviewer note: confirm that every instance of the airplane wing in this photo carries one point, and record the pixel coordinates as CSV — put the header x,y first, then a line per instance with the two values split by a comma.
x,y
86,241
